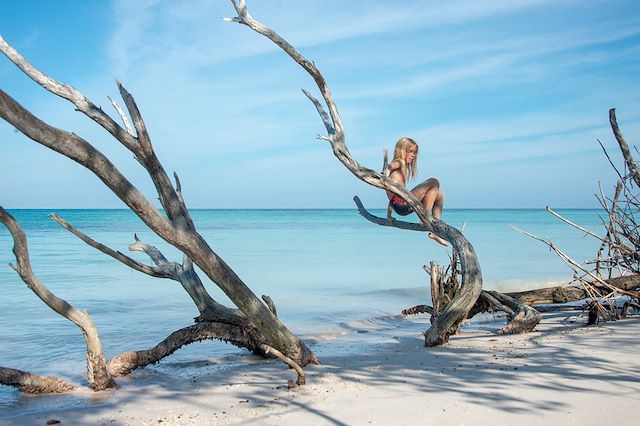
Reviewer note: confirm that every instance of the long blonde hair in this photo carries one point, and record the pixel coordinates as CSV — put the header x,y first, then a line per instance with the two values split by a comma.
x,y
400,153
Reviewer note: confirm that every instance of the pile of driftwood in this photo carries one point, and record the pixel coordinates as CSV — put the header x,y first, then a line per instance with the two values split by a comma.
x,y
608,284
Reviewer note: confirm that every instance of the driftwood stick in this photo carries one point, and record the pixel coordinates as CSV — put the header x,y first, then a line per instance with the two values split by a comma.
x,y
437,291
291,363
565,220
123,116
609,158
269,301
418,309
97,373
385,160
400,224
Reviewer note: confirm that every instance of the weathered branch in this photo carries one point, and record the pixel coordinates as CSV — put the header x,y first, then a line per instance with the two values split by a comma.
x,y
522,318
67,92
130,262
209,309
456,311
628,158
97,373
33,383
123,117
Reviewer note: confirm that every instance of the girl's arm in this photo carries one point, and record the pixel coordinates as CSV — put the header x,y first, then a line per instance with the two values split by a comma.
x,y
392,167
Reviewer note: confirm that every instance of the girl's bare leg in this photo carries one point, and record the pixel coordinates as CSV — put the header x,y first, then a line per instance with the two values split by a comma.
x,y
436,212
438,204
428,192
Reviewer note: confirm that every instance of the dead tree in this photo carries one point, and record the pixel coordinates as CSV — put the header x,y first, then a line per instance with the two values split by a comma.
x,y
174,225
97,373
457,309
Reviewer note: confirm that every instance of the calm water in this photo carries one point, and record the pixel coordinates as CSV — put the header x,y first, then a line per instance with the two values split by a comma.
x,y
330,272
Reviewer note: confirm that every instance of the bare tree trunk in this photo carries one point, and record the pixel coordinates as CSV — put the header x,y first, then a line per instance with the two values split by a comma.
x,y
455,312
97,374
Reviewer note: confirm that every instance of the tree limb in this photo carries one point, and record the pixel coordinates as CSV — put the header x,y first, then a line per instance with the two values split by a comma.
x,y
628,158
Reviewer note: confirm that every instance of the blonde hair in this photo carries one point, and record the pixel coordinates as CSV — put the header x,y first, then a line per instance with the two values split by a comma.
x,y
400,153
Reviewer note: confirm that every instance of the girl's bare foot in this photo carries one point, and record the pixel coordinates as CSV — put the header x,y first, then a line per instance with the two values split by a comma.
x,y
437,239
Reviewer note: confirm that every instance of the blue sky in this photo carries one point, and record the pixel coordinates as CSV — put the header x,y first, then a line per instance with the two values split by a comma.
x,y
506,99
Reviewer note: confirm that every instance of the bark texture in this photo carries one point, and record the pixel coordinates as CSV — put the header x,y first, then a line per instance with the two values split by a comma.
x,y
125,362
34,383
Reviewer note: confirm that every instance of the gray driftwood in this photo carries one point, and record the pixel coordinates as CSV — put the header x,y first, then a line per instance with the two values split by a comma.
x,y
215,321
175,226
449,320
97,374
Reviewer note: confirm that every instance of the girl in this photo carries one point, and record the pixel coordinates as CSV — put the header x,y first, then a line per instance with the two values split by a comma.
x,y
403,168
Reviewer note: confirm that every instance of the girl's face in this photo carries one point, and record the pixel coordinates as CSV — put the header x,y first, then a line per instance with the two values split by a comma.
x,y
410,154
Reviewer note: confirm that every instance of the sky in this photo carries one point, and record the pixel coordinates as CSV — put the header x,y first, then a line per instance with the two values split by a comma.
x,y
507,100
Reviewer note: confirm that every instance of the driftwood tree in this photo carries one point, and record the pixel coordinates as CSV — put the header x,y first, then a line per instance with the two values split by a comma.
x,y
471,284
254,324
460,295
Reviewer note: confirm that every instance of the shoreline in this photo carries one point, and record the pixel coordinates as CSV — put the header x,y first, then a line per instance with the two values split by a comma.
x,y
563,372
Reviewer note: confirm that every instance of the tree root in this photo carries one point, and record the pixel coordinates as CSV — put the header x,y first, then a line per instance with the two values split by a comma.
x,y
246,337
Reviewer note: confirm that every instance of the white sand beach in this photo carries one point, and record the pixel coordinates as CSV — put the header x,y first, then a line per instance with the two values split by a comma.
x,y
563,373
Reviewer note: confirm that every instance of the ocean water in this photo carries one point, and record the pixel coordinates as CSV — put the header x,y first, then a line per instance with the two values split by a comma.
x,y
338,280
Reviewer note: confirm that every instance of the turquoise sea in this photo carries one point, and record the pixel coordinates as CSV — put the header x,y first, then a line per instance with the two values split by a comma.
x,y
338,280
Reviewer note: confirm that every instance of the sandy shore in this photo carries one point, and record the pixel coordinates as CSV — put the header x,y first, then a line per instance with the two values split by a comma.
x,y
562,374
